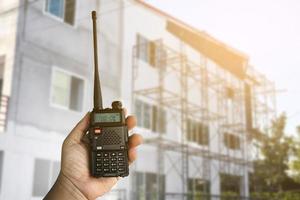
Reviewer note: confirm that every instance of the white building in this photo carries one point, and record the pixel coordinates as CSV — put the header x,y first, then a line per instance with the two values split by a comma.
x,y
157,65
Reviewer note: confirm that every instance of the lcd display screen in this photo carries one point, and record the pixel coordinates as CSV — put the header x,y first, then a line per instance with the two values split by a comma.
x,y
107,117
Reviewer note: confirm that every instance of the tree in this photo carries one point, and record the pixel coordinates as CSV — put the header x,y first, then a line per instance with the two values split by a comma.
x,y
295,163
270,172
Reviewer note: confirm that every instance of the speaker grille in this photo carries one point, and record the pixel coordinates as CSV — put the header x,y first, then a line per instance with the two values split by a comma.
x,y
110,137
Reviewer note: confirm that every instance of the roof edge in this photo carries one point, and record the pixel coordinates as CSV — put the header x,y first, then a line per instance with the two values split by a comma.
x,y
191,28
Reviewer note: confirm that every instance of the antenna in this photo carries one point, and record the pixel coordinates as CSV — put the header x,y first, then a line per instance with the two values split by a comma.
x,y
97,89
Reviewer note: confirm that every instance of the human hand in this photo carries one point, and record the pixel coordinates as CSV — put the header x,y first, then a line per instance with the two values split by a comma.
x,y
75,175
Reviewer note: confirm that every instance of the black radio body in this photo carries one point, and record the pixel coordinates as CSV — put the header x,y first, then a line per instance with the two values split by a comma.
x,y
108,133
109,142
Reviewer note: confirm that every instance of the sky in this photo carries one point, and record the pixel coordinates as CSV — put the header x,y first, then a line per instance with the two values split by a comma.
x,y
267,31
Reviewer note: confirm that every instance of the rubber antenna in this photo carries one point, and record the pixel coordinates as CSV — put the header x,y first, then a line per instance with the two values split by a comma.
x,y
97,89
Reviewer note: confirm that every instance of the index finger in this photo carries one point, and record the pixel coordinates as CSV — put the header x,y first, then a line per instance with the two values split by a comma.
x,y
80,129
131,122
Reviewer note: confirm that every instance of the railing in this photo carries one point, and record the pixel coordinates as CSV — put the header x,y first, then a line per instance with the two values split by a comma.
x,y
4,100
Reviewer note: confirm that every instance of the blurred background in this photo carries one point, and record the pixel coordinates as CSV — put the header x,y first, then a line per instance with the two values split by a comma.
x,y
213,85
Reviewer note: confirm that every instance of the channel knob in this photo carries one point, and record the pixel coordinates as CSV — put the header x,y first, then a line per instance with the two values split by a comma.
x,y
116,105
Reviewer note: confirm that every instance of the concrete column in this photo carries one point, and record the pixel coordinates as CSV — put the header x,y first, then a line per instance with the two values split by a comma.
x,y
245,184
215,187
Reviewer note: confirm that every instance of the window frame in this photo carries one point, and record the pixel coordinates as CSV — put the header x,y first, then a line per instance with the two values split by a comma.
x,y
147,107
228,181
144,193
200,134
69,73
192,189
149,46
142,55
62,20
228,138
152,123
141,123
156,125
2,65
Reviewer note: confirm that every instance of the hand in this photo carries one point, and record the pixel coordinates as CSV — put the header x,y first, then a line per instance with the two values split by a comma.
x,y
75,175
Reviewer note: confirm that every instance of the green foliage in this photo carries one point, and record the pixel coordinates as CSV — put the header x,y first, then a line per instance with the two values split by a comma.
x,y
275,196
295,163
270,172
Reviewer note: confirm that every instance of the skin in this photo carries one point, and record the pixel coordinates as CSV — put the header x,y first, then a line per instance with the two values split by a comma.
x,y
74,180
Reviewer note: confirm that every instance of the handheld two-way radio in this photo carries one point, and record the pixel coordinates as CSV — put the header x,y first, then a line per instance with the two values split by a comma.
x,y
108,131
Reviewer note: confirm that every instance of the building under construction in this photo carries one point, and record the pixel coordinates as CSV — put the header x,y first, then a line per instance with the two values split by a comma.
x,y
200,105
200,108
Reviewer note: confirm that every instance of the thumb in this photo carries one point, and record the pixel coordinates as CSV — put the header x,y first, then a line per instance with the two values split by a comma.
x,y
80,129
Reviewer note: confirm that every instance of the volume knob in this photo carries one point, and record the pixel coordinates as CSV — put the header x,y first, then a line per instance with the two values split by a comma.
x,y
116,105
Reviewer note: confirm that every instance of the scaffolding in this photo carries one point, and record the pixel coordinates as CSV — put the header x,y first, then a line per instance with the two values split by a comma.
x,y
264,101
204,92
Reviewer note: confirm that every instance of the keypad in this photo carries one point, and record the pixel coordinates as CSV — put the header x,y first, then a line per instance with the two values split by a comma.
x,y
110,162
99,154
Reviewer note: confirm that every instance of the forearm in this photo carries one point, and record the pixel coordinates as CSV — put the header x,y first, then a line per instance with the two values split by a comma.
x,y
64,189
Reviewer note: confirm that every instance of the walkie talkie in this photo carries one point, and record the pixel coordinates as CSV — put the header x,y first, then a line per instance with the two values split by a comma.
x,y
108,131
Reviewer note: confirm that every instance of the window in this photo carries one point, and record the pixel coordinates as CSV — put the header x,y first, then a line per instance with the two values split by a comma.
x,y
158,119
143,114
197,132
148,188
146,50
147,116
198,189
140,186
232,141
45,174
67,90
139,112
230,184
1,166
2,64
150,116
152,50
142,48
63,9
229,93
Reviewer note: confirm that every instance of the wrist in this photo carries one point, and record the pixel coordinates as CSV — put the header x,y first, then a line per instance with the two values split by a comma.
x,y
64,189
